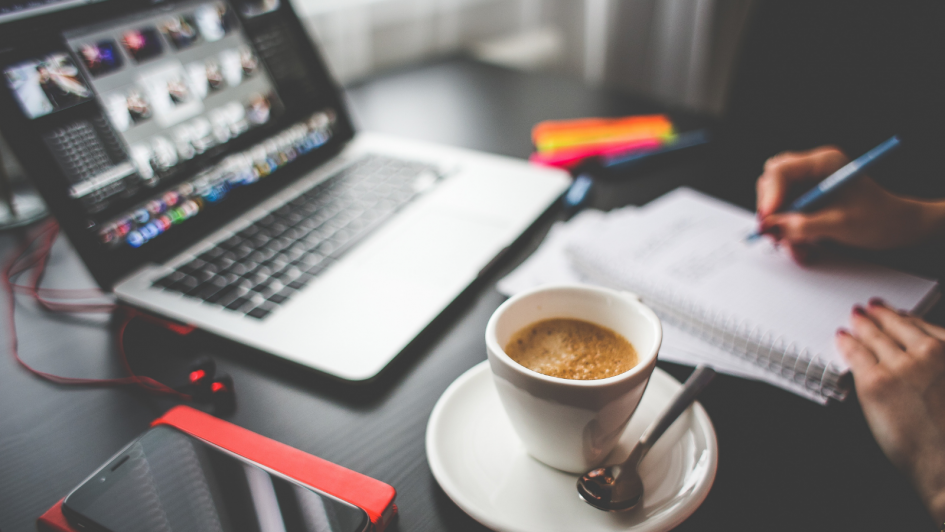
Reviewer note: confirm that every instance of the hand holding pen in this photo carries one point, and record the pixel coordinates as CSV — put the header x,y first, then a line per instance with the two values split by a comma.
x,y
859,213
888,351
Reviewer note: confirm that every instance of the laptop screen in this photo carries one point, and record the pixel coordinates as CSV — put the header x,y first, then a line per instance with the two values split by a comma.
x,y
153,124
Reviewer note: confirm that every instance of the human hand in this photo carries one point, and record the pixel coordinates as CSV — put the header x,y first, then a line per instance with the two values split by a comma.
x,y
862,214
898,366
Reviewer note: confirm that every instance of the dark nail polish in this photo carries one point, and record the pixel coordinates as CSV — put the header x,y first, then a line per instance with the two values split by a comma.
x,y
858,310
877,302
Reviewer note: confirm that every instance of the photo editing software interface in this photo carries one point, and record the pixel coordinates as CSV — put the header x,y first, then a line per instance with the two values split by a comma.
x,y
168,92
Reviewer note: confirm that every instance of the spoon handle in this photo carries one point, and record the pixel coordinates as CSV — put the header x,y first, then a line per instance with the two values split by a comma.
x,y
696,382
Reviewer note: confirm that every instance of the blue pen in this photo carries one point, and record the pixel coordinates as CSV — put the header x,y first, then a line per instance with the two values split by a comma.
x,y
815,197
577,193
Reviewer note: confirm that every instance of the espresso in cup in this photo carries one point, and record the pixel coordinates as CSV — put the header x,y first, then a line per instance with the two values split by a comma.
x,y
572,424
569,348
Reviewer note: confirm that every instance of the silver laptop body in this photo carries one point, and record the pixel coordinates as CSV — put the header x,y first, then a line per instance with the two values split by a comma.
x,y
360,313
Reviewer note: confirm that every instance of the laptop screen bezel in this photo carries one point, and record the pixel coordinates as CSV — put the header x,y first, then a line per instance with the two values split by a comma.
x,y
28,38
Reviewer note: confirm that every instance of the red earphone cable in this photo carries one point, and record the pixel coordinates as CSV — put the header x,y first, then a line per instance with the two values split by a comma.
x,y
21,262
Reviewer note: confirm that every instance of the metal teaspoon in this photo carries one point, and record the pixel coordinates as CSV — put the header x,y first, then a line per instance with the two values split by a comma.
x,y
618,487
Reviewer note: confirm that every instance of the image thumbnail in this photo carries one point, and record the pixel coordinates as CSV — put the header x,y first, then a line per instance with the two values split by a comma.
x,y
46,85
138,106
165,155
231,67
258,109
178,90
170,94
248,61
101,58
213,20
180,30
127,107
197,75
205,77
142,44
141,155
214,74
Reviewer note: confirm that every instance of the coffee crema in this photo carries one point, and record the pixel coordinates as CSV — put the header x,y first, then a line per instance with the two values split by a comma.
x,y
571,349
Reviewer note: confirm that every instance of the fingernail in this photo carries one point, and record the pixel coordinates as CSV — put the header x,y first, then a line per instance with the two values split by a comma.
x,y
858,310
842,332
877,302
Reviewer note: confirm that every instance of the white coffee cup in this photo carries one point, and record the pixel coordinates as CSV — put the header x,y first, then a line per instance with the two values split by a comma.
x,y
569,424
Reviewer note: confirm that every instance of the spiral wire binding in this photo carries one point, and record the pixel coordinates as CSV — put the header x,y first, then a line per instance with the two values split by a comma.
x,y
760,346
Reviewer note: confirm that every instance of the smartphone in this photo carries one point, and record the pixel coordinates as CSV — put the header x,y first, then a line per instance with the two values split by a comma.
x,y
169,481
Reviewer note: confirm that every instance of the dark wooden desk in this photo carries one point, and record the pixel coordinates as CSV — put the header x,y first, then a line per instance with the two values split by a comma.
x,y
785,463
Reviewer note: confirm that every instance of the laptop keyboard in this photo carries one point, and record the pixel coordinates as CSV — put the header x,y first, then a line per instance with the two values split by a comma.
x,y
265,264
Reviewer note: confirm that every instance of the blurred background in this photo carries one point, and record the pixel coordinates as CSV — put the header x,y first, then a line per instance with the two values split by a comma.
x,y
770,74
677,52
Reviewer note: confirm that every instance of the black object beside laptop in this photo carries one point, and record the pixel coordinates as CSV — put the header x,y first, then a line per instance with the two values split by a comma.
x,y
202,162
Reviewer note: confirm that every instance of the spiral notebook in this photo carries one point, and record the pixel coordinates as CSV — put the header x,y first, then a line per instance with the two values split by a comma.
x,y
686,256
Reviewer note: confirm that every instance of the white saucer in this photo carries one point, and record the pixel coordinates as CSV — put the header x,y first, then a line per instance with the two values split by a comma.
x,y
481,464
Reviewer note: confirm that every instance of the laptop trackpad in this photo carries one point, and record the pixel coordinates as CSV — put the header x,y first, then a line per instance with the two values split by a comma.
x,y
369,306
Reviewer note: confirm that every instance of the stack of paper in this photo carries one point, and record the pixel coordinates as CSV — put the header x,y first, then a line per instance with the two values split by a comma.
x,y
687,243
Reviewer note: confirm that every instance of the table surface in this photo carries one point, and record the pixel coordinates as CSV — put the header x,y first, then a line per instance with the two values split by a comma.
x,y
785,463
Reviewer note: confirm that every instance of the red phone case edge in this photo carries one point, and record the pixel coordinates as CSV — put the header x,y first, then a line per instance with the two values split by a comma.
x,y
373,496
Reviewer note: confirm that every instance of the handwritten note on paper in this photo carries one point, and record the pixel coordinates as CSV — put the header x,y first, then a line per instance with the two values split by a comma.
x,y
694,269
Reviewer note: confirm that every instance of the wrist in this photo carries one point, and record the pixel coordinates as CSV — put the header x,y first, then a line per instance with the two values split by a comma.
x,y
930,224
928,477
936,508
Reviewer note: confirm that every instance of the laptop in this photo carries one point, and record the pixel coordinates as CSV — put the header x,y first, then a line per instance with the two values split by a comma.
x,y
203,164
